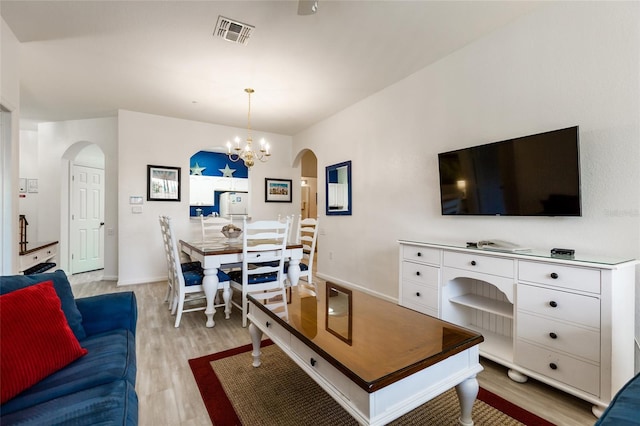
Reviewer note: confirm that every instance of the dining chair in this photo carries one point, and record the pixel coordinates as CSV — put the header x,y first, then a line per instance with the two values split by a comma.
x,y
187,279
263,247
212,227
185,266
291,218
307,235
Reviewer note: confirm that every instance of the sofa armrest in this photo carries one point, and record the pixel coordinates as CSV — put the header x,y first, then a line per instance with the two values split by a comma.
x,y
108,312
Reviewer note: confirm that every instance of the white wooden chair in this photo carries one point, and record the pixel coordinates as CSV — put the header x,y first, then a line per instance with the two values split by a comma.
x,y
307,236
166,242
292,239
212,227
212,230
186,281
263,247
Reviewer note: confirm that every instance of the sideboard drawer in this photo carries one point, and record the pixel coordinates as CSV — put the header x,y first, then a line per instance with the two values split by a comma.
x,y
559,336
421,254
479,263
582,279
419,273
561,305
420,298
563,368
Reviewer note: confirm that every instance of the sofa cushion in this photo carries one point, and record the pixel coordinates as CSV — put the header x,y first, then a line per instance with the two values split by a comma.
x,y
108,312
36,338
111,357
63,288
112,403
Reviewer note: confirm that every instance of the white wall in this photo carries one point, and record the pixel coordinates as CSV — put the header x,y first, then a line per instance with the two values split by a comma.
x,y
564,64
29,169
150,139
58,142
9,153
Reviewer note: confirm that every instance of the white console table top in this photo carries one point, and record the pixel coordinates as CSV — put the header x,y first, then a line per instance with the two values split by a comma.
x,y
533,254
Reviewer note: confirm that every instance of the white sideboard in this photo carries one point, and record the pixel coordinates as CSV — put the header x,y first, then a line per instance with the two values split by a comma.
x,y
568,322
32,254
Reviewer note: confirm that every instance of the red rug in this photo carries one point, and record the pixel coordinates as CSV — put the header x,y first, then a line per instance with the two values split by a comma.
x,y
222,412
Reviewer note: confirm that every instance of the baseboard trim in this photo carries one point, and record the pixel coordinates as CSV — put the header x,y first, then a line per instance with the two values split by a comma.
x,y
142,281
357,287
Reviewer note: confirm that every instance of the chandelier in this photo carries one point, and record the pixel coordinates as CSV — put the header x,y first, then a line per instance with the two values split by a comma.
x,y
246,153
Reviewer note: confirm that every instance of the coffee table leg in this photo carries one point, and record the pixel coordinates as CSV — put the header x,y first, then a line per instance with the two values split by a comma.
x,y
467,392
256,338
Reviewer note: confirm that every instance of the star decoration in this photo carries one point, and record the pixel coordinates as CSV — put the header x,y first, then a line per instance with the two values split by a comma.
x,y
227,172
197,170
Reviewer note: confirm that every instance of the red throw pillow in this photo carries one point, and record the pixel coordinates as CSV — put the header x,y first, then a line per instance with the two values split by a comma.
x,y
35,338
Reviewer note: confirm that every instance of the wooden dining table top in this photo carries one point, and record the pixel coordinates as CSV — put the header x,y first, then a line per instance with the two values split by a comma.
x,y
222,246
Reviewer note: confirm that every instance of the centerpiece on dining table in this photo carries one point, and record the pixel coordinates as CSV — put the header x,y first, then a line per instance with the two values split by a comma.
x,y
231,231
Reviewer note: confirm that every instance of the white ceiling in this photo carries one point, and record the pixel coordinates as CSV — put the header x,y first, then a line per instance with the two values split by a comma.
x,y
84,59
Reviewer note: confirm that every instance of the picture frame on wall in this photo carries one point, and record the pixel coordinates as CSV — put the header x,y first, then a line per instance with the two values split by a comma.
x,y
163,183
277,190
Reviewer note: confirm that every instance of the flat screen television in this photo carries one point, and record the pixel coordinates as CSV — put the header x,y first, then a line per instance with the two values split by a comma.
x,y
537,175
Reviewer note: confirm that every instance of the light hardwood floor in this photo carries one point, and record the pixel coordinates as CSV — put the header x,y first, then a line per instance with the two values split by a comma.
x,y
167,391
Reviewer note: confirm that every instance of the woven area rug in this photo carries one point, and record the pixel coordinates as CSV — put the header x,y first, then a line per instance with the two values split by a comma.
x,y
281,393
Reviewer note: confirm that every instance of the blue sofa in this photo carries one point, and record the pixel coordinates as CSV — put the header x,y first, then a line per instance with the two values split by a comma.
x,y
624,409
99,387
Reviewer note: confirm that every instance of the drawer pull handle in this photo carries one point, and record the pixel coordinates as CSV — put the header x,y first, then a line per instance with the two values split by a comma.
x,y
473,263
312,362
418,293
553,335
553,366
419,254
418,273
35,257
258,255
268,324
553,304
554,275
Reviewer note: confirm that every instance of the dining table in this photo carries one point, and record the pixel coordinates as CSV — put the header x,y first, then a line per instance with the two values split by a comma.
x,y
214,253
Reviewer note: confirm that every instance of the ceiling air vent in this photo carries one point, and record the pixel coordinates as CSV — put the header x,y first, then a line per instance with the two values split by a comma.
x,y
233,31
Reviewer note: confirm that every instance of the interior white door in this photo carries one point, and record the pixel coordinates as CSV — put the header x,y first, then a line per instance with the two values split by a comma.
x,y
87,219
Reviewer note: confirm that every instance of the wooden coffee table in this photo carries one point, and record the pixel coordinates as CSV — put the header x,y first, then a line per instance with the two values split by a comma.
x,y
375,358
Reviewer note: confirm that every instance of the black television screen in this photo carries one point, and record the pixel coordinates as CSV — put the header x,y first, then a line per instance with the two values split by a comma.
x,y
537,175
